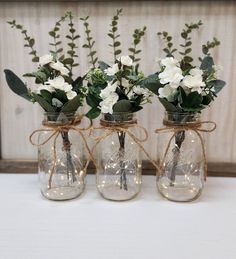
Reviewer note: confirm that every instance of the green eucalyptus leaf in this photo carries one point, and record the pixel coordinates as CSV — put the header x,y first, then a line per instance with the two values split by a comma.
x,y
43,103
72,105
103,65
168,106
122,106
16,84
46,95
151,83
92,100
93,113
217,85
207,63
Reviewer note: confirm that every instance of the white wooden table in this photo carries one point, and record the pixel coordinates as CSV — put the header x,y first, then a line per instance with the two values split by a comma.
x,y
148,227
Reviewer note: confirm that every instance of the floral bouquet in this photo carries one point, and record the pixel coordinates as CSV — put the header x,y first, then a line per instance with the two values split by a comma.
x,y
115,90
181,85
57,93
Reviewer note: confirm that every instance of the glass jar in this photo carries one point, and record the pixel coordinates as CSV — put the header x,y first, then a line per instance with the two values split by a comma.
x,y
181,157
118,158
61,159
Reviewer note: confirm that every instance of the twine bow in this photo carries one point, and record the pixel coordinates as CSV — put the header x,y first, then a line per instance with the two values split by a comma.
x,y
179,127
56,130
111,127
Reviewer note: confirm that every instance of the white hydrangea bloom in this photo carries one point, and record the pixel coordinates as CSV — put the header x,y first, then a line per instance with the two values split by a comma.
x,y
141,91
169,62
196,71
107,104
125,83
167,92
111,88
60,67
126,61
59,83
45,59
194,80
111,71
71,94
171,76
44,87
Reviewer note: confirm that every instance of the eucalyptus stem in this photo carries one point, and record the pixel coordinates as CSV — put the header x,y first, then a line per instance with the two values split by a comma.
x,y
30,41
123,179
137,36
114,35
90,43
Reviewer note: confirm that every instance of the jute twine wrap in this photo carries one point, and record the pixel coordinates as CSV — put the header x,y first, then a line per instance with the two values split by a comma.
x,y
56,129
110,127
179,127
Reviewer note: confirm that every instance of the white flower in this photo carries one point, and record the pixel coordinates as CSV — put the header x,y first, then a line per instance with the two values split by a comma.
x,y
44,87
46,59
107,104
197,89
171,75
194,80
126,61
111,88
111,71
59,83
56,102
195,72
125,83
141,91
169,62
167,92
60,67
71,94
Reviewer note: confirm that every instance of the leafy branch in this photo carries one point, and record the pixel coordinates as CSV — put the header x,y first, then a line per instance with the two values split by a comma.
x,y
210,45
187,43
71,52
113,34
54,33
169,50
30,41
90,42
137,36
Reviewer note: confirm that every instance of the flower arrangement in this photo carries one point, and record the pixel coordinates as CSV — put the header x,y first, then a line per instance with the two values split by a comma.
x,y
56,91
183,87
180,85
117,87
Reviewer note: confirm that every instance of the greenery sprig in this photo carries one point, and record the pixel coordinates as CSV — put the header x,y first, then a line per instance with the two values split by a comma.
x,y
90,43
169,50
210,45
187,43
54,33
114,35
71,44
30,41
137,36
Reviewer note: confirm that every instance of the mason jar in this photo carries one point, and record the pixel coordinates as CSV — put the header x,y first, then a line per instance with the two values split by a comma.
x,y
61,158
118,158
182,158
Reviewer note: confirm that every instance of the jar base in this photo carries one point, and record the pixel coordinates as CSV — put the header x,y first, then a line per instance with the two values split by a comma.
x,y
62,193
115,194
179,194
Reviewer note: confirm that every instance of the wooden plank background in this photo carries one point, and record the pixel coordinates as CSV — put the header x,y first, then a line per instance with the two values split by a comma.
x,y
19,118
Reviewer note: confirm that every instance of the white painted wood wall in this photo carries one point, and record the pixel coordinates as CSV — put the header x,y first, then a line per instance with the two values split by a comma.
x,y
19,118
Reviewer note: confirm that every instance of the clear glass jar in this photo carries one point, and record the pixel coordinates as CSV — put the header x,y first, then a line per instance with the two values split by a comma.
x,y
118,159
181,159
61,159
